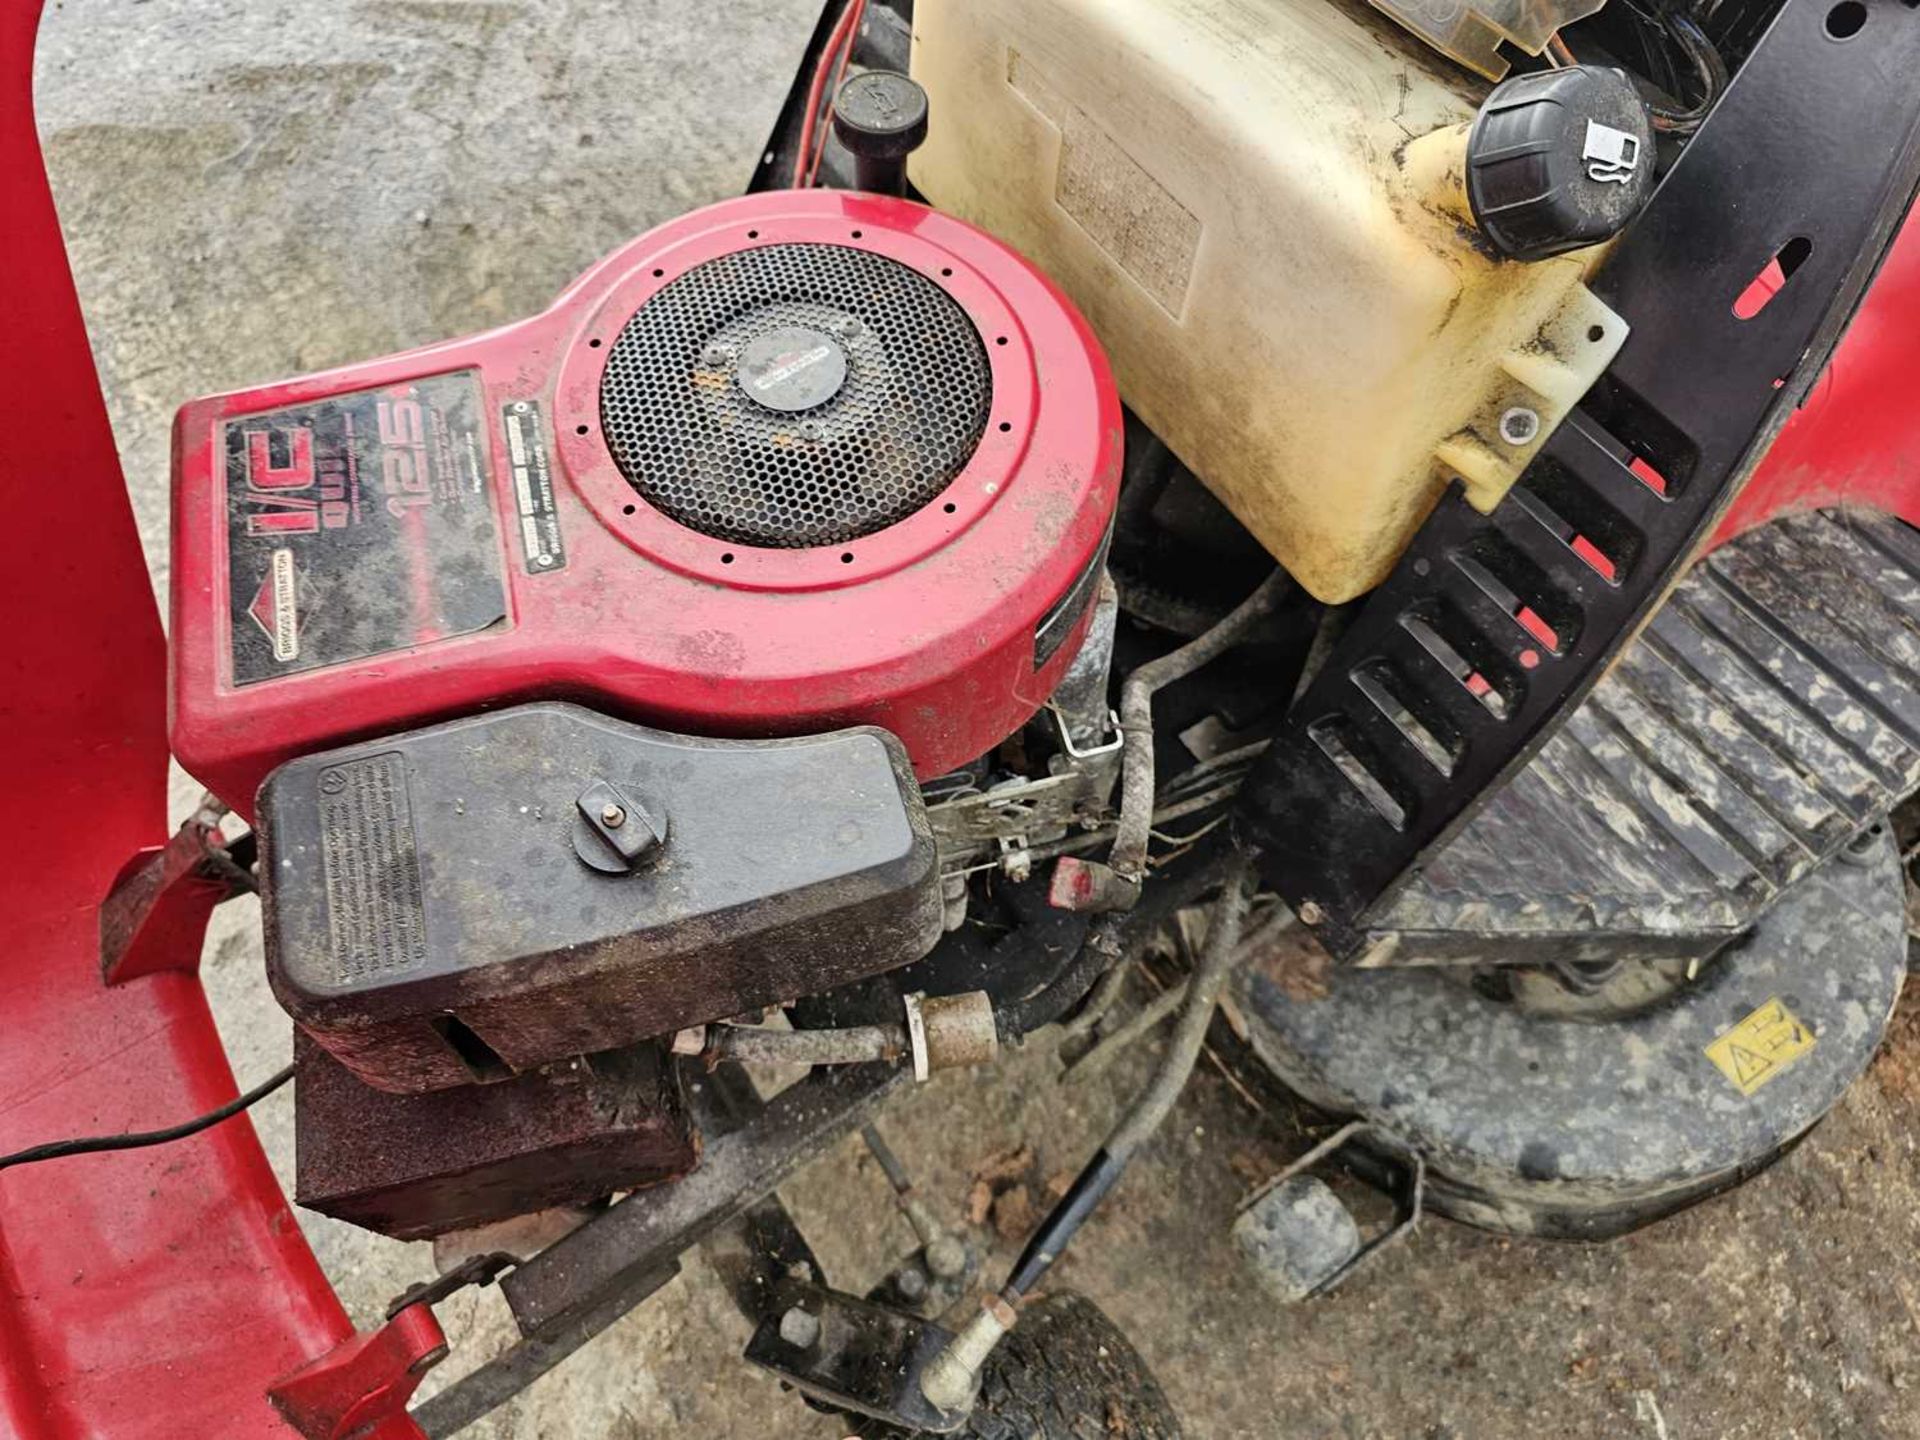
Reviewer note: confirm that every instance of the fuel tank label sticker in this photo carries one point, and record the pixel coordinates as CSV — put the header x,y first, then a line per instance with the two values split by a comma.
x,y
359,524
1760,1046
541,547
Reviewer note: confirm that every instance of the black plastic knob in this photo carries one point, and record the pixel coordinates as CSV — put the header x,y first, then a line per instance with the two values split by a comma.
x,y
881,118
1559,159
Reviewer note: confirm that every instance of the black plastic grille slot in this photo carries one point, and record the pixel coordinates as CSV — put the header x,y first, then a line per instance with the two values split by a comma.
x,y
1637,431
1463,653
1574,513
885,442
1541,609
1407,711
1339,740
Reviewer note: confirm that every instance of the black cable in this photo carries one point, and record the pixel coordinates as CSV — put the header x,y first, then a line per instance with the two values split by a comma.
x,y
1056,1231
134,1140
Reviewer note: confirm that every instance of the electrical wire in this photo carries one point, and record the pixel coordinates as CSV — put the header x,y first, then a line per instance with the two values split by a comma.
x,y
135,1140
1151,1107
859,9
1709,69
833,56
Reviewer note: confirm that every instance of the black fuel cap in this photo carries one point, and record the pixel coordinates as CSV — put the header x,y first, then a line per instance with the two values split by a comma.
x,y
881,117
1559,159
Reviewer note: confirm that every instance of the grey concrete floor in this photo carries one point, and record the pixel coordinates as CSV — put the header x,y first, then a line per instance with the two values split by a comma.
x,y
257,189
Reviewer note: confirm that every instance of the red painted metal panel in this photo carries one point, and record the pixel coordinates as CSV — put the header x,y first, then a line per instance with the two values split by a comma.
x,y
1856,440
154,1292
926,627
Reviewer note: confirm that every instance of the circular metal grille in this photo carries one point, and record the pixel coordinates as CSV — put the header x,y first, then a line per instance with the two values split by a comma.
x,y
690,438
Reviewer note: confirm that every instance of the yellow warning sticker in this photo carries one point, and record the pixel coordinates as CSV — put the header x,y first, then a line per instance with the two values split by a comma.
x,y
1760,1046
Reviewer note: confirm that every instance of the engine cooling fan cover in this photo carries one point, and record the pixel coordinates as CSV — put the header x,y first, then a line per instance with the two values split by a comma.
x,y
795,395
783,465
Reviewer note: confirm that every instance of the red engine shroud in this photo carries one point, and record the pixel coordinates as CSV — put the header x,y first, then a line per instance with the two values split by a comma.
x,y
926,627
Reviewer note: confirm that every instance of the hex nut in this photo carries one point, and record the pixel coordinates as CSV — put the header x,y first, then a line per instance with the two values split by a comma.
x,y
799,1328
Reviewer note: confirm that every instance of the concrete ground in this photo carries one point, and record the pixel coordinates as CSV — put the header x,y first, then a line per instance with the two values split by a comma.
x,y
257,189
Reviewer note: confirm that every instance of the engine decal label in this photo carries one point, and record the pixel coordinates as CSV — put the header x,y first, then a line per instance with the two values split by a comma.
x,y
541,546
1760,1046
376,920
359,524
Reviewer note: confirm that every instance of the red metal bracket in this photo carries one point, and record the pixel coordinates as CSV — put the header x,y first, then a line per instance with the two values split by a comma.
x,y
359,1390
155,917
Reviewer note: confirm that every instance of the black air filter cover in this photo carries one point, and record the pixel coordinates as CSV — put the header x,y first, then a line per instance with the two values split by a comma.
x,y
478,898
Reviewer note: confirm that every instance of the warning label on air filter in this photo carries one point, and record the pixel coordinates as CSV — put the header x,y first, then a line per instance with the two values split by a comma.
x,y
359,524
540,542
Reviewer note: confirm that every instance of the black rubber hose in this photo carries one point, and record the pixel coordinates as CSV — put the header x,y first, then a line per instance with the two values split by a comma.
x,y
1150,1109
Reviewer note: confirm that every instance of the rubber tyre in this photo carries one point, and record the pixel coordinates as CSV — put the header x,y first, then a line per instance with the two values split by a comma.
x,y
1065,1373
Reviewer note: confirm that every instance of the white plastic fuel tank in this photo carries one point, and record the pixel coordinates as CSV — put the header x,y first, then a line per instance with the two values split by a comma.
x,y
1223,187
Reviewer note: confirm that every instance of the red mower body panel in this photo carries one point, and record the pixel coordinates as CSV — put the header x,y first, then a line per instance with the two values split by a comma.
x,y
1856,439
147,1293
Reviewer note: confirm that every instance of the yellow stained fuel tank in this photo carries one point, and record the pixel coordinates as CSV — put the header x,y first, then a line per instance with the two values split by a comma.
x,y
1289,297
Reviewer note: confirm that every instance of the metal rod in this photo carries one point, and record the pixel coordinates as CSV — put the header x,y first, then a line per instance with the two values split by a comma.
x,y
889,1162
1129,856
855,1045
1147,1112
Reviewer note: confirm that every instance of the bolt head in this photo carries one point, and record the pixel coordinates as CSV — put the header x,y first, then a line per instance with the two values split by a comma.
x,y
947,1257
612,816
1311,913
717,355
1519,426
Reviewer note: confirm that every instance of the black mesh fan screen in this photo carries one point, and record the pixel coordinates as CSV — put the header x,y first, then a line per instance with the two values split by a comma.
x,y
691,439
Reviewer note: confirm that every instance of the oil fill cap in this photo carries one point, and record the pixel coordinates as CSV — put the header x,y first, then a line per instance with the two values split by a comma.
x,y
1559,159
880,114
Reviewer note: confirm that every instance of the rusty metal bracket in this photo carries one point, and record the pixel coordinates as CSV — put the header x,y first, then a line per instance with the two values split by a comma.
x,y
474,1270
853,1355
650,1227
155,916
581,1284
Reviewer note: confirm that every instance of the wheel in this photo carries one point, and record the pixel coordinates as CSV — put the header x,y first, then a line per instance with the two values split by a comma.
x,y
1065,1373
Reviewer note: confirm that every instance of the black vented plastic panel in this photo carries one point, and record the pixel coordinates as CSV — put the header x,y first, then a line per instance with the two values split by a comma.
x,y
1491,628
1769,712
695,444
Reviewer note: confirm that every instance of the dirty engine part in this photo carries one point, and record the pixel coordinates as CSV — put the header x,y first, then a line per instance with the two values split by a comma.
x,y
416,1166
468,901
783,465
1538,1119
